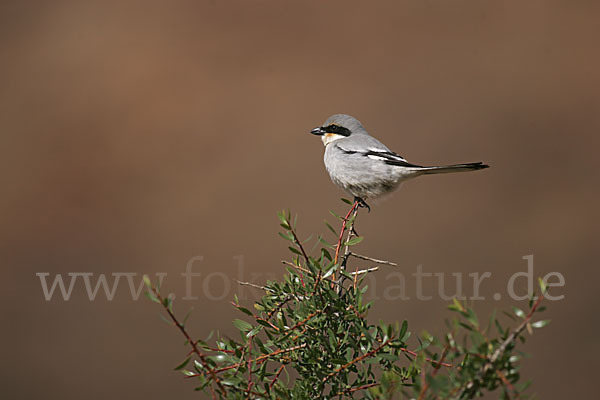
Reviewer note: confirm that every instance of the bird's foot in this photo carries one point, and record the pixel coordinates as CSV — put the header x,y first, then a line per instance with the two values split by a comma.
x,y
362,203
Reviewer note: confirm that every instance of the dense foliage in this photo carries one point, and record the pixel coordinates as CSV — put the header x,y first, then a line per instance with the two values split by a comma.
x,y
308,337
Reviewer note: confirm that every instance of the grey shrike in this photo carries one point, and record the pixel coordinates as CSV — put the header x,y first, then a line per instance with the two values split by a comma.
x,y
365,167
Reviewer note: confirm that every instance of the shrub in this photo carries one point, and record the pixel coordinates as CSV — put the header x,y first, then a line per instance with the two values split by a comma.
x,y
308,337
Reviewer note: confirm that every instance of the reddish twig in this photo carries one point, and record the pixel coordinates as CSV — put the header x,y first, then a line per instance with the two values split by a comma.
x,y
257,359
192,343
412,353
513,336
509,385
279,306
250,383
357,359
502,348
296,266
276,376
256,317
356,389
216,349
299,244
433,374
305,320
341,236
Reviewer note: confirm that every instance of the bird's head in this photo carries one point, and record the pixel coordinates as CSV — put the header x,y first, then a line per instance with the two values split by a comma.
x,y
338,126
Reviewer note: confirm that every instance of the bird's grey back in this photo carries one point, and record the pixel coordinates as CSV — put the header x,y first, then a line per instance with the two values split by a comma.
x,y
359,140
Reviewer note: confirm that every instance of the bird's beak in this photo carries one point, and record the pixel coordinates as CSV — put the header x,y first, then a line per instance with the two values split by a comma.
x,y
318,131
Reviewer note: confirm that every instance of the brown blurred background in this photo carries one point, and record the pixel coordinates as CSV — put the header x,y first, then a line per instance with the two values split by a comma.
x,y
137,135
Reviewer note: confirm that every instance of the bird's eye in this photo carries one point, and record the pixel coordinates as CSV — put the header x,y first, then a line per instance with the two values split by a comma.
x,y
333,128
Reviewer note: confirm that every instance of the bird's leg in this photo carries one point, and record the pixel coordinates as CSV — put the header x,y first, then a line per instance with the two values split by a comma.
x,y
362,203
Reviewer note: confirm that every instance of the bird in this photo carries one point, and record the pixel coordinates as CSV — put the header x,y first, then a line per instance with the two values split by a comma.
x,y
363,166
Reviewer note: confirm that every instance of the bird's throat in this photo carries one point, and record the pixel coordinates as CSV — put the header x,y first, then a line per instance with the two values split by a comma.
x,y
330,137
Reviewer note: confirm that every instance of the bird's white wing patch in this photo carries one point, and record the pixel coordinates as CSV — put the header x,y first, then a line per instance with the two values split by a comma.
x,y
379,158
378,150
385,155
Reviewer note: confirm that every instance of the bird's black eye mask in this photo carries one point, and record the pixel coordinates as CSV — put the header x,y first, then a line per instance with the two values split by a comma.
x,y
336,129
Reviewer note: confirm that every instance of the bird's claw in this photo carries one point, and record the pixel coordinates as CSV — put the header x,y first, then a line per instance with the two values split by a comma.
x,y
362,203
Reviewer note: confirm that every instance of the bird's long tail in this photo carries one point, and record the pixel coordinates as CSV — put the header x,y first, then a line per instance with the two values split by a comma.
x,y
444,169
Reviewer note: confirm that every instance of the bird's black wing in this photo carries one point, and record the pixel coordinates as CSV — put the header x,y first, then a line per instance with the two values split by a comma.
x,y
386,156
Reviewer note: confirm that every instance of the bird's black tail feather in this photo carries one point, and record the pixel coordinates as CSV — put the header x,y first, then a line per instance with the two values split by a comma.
x,y
454,168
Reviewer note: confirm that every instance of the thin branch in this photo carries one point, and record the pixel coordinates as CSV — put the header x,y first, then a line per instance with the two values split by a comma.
x,y
276,376
357,359
256,317
365,271
259,358
425,386
351,233
192,343
299,244
253,285
412,353
513,336
356,389
304,321
250,383
298,267
376,261
279,306
502,348
351,215
508,385
341,236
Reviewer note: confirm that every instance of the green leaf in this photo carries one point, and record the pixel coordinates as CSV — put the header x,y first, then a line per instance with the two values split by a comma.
x,y
540,324
245,311
282,217
354,241
403,330
147,281
467,327
326,243
472,317
286,236
198,365
168,303
254,331
152,297
518,312
183,364
330,272
165,319
509,315
242,325
264,323
543,285
294,250
424,345
231,381
330,227
335,215
388,356
326,254
346,201
456,305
